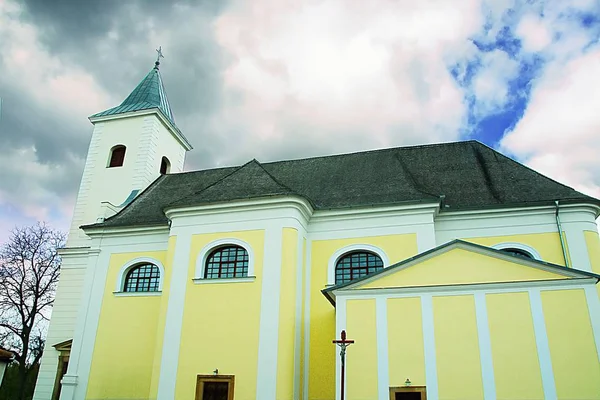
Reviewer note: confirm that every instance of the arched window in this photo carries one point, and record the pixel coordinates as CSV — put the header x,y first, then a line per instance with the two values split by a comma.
x,y
117,156
518,253
227,262
142,278
165,166
355,265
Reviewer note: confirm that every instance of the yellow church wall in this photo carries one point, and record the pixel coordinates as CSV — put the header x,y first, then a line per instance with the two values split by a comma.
x,y
405,341
572,348
322,314
124,351
547,244
162,317
457,350
361,368
514,352
287,315
220,326
459,266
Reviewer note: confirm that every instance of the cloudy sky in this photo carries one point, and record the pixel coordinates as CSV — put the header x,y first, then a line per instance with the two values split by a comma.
x,y
274,79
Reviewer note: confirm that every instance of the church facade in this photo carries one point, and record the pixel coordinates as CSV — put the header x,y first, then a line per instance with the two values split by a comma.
x,y
458,272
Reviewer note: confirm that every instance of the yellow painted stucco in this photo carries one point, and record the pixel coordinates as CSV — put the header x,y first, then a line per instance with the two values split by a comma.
x,y
123,358
287,315
546,244
457,348
405,341
572,348
220,326
514,352
322,314
459,266
361,365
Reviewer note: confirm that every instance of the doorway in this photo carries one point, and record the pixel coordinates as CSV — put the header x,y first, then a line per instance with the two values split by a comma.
x,y
214,387
408,393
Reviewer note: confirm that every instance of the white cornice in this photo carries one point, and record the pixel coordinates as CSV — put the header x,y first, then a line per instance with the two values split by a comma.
x,y
517,211
168,124
125,231
74,251
464,288
241,206
366,212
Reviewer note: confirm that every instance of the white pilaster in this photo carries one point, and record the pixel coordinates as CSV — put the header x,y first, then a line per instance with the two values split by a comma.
x,y
307,294
340,325
429,346
578,251
298,320
541,341
266,380
174,318
383,374
485,347
74,384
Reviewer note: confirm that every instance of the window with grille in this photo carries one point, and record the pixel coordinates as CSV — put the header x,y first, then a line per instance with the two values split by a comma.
x,y
356,265
117,156
518,253
227,262
142,278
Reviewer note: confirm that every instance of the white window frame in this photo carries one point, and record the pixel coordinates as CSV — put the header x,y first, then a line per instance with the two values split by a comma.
x,y
119,290
351,249
518,246
210,247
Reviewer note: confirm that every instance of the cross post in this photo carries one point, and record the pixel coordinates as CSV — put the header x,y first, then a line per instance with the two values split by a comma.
x,y
343,344
159,55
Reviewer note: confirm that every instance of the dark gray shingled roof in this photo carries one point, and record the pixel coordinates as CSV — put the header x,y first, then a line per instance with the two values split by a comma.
x,y
467,175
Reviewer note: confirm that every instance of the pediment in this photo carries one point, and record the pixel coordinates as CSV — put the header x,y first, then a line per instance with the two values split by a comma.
x,y
461,263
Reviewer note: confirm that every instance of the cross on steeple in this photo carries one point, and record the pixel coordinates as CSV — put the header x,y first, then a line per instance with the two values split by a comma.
x,y
159,55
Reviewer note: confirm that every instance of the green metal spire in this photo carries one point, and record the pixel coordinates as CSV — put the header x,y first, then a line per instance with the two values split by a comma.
x,y
149,94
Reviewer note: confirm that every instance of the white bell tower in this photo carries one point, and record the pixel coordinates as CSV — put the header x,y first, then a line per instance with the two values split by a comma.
x,y
131,145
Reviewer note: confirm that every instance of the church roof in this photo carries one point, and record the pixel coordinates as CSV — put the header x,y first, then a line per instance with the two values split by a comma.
x,y
464,175
149,94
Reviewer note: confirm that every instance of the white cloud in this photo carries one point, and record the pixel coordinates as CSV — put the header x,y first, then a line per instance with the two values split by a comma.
x,y
379,68
559,132
490,85
533,33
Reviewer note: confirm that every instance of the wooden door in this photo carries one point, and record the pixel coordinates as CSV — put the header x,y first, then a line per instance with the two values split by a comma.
x,y
408,393
214,387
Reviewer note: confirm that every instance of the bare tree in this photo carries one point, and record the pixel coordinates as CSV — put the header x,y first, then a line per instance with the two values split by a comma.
x,y
29,269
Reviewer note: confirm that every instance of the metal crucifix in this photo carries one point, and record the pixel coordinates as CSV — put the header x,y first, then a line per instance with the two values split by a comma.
x,y
343,344
159,55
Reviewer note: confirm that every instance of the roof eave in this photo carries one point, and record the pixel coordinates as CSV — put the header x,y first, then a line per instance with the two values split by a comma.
x,y
155,110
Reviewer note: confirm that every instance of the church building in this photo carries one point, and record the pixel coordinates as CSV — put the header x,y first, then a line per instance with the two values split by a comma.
x,y
457,272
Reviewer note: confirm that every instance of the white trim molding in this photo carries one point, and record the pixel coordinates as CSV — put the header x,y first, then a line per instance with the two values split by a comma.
x,y
204,281
133,263
349,249
210,247
520,246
